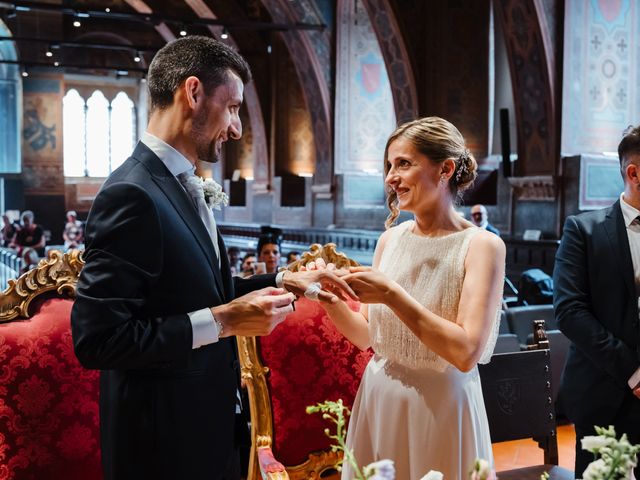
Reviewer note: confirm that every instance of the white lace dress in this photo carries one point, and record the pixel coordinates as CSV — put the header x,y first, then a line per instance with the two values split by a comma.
x,y
413,407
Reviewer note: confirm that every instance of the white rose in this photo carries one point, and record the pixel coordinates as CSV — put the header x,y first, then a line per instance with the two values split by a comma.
x,y
596,470
591,443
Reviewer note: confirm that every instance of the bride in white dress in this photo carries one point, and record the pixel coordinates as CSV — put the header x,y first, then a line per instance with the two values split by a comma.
x,y
430,314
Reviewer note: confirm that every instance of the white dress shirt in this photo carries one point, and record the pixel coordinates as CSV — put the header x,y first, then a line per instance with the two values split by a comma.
x,y
630,215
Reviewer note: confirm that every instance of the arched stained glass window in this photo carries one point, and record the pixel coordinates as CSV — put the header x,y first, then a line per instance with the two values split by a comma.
x,y
73,118
98,136
98,123
122,129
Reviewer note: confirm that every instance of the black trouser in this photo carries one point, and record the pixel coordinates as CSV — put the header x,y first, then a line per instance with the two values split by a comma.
x,y
233,468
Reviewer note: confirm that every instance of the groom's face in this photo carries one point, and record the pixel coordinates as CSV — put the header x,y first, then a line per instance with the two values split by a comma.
x,y
218,119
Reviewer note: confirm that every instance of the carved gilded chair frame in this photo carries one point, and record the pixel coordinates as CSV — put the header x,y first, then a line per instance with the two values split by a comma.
x,y
254,375
59,272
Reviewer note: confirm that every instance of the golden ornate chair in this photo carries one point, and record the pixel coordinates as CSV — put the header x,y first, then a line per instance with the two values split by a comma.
x,y
304,361
49,415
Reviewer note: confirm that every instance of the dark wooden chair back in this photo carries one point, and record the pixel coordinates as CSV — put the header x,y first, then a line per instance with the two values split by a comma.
x,y
517,392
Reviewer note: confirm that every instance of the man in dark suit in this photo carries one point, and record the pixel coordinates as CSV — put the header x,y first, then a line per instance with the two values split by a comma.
x,y
480,218
156,306
596,285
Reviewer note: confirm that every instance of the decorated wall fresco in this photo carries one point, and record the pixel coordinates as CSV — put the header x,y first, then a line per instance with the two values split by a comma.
x,y
601,96
364,109
42,136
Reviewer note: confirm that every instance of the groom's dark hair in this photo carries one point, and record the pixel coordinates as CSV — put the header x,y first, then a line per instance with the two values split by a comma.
x,y
629,145
205,58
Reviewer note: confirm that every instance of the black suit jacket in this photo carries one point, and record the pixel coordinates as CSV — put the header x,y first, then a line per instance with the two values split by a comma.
x,y
596,307
166,410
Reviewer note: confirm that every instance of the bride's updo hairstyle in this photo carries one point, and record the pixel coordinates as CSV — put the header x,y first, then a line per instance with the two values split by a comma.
x,y
438,140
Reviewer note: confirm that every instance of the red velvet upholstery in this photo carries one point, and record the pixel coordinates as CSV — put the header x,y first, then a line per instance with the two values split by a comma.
x,y
49,418
309,362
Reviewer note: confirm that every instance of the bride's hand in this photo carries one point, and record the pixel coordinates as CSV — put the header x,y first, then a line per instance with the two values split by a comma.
x,y
371,286
318,264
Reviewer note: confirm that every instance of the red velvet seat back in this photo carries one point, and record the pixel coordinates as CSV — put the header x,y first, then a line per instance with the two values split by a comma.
x,y
309,362
49,418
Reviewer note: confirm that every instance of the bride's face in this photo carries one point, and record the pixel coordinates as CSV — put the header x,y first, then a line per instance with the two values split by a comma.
x,y
413,176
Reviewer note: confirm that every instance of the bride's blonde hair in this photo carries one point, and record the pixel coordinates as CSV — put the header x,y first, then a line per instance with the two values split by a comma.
x,y
438,140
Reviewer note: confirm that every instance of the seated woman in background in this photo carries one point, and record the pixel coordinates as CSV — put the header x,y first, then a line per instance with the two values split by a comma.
x,y
30,235
269,252
8,231
73,233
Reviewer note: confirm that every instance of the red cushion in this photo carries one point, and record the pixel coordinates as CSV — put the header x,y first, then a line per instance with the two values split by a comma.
x,y
49,417
309,362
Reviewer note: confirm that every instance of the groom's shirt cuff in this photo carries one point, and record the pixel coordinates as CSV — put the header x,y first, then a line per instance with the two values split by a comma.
x,y
204,328
634,380
279,279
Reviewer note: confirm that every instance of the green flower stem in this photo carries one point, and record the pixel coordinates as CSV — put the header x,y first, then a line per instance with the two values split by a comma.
x,y
337,413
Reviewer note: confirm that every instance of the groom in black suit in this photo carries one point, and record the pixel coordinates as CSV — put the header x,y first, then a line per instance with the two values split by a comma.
x,y
156,306
596,282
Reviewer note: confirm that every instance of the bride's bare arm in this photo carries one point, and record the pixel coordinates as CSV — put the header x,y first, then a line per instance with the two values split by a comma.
x,y
461,343
355,325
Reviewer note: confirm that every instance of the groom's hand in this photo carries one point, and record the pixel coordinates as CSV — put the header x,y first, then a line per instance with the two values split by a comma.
x,y
254,314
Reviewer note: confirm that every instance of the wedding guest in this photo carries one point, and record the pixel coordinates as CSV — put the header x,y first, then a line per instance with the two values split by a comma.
x,y
8,231
596,283
247,265
268,250
233,253
293,256
73,233
30,235
480,218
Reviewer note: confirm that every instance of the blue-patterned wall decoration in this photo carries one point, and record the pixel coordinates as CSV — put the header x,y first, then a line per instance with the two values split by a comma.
x,y
364,112
601,94
364,191
39,118
600,181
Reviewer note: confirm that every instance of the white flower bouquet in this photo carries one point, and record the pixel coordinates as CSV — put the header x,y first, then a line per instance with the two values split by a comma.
x,y
615,459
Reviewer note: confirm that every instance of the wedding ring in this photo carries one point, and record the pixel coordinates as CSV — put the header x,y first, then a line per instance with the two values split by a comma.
x,y
312,291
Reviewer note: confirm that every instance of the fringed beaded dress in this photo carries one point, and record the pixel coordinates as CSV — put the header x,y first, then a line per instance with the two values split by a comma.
x,y
413,407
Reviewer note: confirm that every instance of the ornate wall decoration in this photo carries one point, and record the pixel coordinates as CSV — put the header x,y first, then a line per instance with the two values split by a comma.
x,y
600,182
396,58
524,25
365,114
318,12
540,188
315,88
600,95
42,136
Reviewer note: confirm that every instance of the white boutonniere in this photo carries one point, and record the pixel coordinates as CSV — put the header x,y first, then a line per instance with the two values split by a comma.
x,y
214,196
